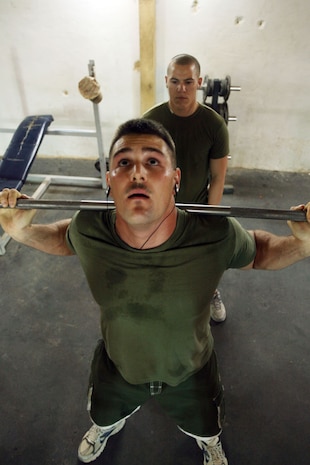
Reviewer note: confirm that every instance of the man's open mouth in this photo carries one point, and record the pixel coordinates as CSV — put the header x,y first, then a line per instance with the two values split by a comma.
x,y
138,196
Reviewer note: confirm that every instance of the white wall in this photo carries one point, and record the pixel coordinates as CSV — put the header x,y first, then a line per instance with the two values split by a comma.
x,y
264,46
45,48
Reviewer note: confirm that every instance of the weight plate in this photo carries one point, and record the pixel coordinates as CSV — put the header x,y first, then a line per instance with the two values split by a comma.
x,y
225,88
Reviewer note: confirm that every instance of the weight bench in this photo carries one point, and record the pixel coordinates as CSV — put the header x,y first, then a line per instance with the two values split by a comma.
x,y
20,155
21,152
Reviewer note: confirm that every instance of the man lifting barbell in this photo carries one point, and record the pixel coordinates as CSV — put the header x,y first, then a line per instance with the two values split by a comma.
x,y
151,268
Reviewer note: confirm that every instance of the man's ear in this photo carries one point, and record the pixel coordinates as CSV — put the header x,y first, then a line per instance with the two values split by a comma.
x,y
177,177
107,178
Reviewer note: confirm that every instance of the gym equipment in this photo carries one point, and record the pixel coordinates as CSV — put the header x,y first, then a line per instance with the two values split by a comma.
x,y
76,133
216,88
22,150
102,161
224,89
215,210
15,170
90,89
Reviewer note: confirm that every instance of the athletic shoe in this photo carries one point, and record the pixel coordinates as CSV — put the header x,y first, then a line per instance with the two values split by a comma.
x,y
212,455
95,440
218,311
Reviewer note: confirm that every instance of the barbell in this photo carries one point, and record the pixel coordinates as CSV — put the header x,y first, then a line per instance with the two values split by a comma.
x,y
215,210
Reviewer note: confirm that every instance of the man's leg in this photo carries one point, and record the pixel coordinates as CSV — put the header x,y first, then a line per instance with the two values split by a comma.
x,y
111,400
197,405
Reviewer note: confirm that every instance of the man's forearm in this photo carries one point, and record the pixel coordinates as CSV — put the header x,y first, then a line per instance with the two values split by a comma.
x,y
49,238
218,169
216,189
275,252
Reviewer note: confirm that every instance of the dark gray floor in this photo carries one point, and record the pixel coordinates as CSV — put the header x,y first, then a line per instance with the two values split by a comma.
x,y
50,325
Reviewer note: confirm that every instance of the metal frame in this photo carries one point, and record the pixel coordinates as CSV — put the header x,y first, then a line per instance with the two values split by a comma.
x,y
45,180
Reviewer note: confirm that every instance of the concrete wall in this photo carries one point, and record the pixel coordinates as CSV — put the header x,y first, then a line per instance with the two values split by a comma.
x,y
45,48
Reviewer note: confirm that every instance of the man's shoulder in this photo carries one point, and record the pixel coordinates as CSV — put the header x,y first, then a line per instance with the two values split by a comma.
x,y
91,220
209,113
158,109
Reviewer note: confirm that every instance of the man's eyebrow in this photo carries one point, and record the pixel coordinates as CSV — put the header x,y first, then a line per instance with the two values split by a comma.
x,y
144,149
152,149
185,79
122,150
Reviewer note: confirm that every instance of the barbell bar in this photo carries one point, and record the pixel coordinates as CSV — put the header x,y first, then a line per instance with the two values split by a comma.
x,y
238,212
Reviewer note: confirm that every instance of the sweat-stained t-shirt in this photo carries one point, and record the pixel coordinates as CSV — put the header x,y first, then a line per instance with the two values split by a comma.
x,y
154,311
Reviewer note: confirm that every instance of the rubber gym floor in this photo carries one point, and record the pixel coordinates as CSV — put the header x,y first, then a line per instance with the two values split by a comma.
x,y
50,327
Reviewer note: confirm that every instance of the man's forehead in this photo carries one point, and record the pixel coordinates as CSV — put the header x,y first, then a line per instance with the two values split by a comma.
x,y
132,141
188,70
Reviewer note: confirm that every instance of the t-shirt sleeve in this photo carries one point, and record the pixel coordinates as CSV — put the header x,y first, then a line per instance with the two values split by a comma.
x,y
72,227
245,247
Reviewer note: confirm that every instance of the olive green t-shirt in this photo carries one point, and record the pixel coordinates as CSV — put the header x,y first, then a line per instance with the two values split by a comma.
x,y
154,303
198,138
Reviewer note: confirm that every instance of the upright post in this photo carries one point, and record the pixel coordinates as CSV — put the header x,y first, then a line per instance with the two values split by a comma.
x,y
103,168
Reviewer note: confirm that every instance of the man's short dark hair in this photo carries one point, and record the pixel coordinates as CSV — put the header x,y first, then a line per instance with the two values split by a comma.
x,y
145,126
184,59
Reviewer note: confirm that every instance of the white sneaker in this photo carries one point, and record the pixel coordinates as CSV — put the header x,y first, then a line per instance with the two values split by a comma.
x,y
95,440
218,310
212,455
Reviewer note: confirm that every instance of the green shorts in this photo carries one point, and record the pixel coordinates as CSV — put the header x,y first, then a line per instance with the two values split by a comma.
x,y
197,404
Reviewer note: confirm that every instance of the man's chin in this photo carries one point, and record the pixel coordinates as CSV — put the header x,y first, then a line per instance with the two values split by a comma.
x,y
181,103
136,217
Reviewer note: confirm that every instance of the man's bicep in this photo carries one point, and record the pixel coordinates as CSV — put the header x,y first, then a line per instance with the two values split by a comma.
x,y
218,166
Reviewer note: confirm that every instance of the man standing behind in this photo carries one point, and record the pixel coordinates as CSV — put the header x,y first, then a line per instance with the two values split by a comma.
x,y
202,142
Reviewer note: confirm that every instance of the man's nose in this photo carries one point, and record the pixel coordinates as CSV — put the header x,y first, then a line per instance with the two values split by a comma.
x,y
138,172
181,87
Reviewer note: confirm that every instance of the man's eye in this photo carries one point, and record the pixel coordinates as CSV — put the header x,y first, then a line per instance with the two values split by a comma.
x,y
153,162
123,162
188,83
174,81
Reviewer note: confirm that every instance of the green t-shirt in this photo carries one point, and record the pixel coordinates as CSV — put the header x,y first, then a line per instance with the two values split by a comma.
x,y
154,303
198,138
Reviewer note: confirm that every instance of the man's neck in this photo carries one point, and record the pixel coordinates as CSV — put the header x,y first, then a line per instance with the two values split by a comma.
x,y
147,236
180,112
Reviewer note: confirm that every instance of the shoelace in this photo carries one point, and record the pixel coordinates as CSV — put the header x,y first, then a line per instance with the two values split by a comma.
x,y
217,301
93,434
215,453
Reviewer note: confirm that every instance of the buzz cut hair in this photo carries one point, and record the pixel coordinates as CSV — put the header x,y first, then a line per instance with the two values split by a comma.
x,y
184,59
145,126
